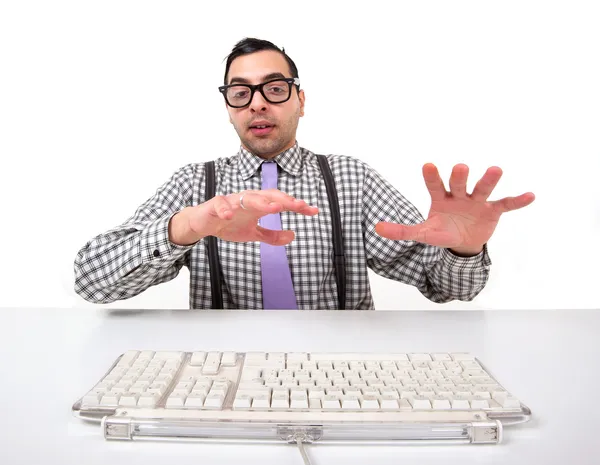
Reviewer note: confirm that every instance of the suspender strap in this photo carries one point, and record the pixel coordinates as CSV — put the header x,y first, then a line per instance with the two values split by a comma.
x,y
338,240
213,255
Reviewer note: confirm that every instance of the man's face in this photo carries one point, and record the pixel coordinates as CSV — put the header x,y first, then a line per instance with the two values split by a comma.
x,y
281,119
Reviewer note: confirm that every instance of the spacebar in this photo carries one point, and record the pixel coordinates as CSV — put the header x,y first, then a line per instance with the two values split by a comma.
x,y
356,356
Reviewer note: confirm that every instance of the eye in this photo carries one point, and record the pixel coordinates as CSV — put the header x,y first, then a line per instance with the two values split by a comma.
x,y
276,89
240,93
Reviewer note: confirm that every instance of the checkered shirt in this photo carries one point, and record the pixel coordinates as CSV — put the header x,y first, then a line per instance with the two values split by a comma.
x,y
126,260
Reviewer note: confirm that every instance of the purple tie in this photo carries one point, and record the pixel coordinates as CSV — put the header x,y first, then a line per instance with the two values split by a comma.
x,y
278,290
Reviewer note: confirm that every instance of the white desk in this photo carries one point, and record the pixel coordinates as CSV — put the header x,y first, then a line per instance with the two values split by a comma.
x,y
549,359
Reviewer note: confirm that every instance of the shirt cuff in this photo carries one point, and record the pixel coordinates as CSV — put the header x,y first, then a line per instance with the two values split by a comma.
x,y
476,262
155,247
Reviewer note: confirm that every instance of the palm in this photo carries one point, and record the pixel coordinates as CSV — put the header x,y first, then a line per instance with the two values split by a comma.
x,y
241,228
457,219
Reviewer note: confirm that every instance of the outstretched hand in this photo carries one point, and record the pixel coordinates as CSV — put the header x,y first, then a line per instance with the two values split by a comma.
x,y
228,218
457,220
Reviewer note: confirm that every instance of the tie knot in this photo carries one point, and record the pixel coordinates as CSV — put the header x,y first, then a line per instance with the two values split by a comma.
x,y
269,175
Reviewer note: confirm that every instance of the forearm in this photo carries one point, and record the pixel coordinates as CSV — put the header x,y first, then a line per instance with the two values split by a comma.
x,y
438,274
126,261
455,277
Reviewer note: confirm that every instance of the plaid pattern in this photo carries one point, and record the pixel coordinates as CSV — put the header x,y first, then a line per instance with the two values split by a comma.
x,y
128,259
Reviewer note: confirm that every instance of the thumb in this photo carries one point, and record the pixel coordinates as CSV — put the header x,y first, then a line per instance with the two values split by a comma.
x,y
274,237
401,232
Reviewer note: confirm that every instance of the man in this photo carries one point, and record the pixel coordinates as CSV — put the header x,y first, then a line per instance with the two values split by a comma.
x,y
272,219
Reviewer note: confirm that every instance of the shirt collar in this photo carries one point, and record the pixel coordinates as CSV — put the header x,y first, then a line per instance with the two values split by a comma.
x,y
290,161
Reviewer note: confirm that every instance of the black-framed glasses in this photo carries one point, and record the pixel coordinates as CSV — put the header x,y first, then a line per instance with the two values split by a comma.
x,y
274,91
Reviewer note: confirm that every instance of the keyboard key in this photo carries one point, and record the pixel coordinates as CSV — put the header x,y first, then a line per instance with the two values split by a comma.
x,y
462,356
212,363
214,400
298,401
195,399
479,402
280,401
242,401
389,402
314,403
261,401
331,402
440,403
176,400
228,359
369,403
92,399
148,399
460,403
110,399
128,358
419,357
198,358
351,402
508,402
169,355
129,400
419,402
255,359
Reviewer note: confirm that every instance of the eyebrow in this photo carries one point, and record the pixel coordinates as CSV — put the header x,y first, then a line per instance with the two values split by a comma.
x,y
242,80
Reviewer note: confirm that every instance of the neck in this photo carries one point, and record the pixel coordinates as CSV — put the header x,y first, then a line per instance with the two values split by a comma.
x,y
269,156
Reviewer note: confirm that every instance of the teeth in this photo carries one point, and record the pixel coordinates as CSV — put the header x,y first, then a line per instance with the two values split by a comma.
x,y
260,127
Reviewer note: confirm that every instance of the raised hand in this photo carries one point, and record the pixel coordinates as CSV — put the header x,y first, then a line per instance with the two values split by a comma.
x,y
234,217
457,220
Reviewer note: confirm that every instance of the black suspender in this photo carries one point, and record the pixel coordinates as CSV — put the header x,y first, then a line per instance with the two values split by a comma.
x,y
213,255
339,258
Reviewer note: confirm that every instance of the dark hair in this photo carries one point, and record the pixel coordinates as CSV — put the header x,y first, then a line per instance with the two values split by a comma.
x,y
251,45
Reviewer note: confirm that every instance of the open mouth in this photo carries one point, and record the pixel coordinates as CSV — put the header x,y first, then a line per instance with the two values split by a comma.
x,y
261,129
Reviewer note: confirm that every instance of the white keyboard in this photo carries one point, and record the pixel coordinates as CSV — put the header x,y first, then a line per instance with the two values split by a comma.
x,y
303,397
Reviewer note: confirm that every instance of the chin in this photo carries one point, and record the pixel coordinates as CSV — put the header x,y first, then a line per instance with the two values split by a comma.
x,y
264,147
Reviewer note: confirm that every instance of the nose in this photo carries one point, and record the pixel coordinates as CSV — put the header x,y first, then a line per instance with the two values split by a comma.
x,y
258,103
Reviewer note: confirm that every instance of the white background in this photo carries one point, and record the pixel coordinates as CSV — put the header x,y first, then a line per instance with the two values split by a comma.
x,y
100,102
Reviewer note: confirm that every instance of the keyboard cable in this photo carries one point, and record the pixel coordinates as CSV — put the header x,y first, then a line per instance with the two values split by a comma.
x,y
300,445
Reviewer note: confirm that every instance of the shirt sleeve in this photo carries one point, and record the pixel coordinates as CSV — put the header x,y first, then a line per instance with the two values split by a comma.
x,y
128,259
440,275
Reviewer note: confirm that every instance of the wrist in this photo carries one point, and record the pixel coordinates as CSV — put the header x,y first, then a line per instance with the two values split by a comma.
x,y
180,232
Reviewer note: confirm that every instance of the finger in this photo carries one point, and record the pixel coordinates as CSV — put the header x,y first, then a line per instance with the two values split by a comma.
x,y
401,232
484,187
274,237
290,203
258,203
418,233
434,183
513,203
300,206
458,180
222,208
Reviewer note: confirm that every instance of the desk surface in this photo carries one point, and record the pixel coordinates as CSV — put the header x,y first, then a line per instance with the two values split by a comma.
x,y
549,359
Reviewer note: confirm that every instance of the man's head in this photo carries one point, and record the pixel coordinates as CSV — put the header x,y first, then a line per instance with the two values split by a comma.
x,y
252,62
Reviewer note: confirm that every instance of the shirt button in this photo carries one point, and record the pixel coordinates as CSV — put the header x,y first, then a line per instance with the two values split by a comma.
x,y
156,253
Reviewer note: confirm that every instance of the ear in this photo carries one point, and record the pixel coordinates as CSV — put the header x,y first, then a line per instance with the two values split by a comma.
x,y
302,98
